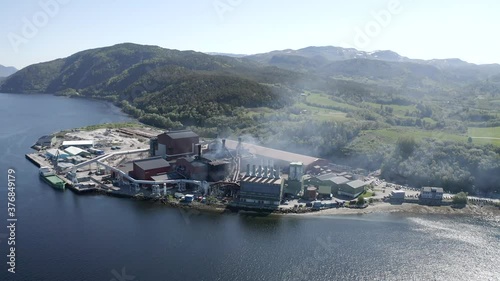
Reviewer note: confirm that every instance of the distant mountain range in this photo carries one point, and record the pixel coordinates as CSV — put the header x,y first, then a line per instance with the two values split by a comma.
x,y
331,53
160,81
338,61
226,54
7,70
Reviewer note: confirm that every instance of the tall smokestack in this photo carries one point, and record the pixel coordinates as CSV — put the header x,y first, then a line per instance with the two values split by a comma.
x,y
248,170
253,171
238,147
265,172
199,150
259,172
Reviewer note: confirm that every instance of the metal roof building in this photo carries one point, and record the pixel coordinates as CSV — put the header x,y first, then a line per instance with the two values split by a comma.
x,y
261,188
333,178
73,150
277,155
151,163
431,195
53,153
78,143
46,141
145,169
352,189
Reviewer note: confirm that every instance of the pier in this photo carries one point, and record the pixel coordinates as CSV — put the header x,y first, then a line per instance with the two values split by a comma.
x,y
41,161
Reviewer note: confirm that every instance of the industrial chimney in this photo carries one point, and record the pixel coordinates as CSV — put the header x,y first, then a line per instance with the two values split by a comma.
x,y
253,171
248,170
238,147
199,150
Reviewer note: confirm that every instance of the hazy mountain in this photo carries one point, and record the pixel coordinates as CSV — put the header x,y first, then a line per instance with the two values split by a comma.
x,y
7,70
226,54
319,59
186,86
120,68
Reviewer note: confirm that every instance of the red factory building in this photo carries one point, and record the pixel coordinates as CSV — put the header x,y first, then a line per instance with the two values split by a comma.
x,y
174,144
145,169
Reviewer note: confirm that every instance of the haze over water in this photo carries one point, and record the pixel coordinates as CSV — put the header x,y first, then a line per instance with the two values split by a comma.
x,y
64,236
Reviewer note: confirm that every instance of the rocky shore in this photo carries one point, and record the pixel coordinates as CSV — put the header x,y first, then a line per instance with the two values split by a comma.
x,y
378,207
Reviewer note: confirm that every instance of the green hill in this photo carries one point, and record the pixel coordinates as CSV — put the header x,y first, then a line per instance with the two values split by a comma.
x,y
157,80
343,104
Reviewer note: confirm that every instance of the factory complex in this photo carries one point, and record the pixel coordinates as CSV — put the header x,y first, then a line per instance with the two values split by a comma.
x,y
179,165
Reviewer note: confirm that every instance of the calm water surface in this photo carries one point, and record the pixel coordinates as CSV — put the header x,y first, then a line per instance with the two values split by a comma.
x,y
63,236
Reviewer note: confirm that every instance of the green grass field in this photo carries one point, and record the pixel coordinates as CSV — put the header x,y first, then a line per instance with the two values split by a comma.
x,y
322,114
393,134
398,110
491,132
324,100
489,135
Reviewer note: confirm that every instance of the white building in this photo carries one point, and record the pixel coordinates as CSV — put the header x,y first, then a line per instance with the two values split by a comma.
x,y
74,151
431,193
79,143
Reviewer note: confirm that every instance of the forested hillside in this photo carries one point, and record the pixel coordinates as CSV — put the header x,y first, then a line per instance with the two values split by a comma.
x,y
422,122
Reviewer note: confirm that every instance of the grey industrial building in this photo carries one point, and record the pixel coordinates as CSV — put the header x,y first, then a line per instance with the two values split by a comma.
x,y
352,189
262,187
294,184
207,167
278,157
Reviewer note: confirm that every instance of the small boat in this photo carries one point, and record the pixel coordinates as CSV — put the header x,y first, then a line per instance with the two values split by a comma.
x,y
48,175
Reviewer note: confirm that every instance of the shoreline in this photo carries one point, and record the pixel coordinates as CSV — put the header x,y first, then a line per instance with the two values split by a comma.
x,y
410,208
375,208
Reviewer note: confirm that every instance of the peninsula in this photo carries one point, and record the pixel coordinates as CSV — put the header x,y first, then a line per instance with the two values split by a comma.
x,y
181,169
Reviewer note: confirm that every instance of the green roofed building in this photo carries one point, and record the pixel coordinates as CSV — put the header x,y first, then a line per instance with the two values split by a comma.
x,y
327,184
352,189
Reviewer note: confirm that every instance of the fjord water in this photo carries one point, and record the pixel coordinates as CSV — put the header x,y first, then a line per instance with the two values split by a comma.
x,y
64,236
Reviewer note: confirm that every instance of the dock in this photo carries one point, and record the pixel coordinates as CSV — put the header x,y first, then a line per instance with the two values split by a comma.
x,y
41,161
36,159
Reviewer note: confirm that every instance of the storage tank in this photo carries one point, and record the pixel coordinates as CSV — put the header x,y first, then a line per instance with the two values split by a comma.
x,y
311,193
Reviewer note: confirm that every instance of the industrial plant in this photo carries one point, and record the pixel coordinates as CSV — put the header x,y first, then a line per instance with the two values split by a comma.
x,y
182,167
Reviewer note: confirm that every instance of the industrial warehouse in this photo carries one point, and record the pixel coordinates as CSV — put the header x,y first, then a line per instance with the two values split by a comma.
x,y
181,167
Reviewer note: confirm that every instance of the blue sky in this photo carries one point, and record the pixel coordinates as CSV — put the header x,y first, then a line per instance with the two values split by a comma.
x,y
40,30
